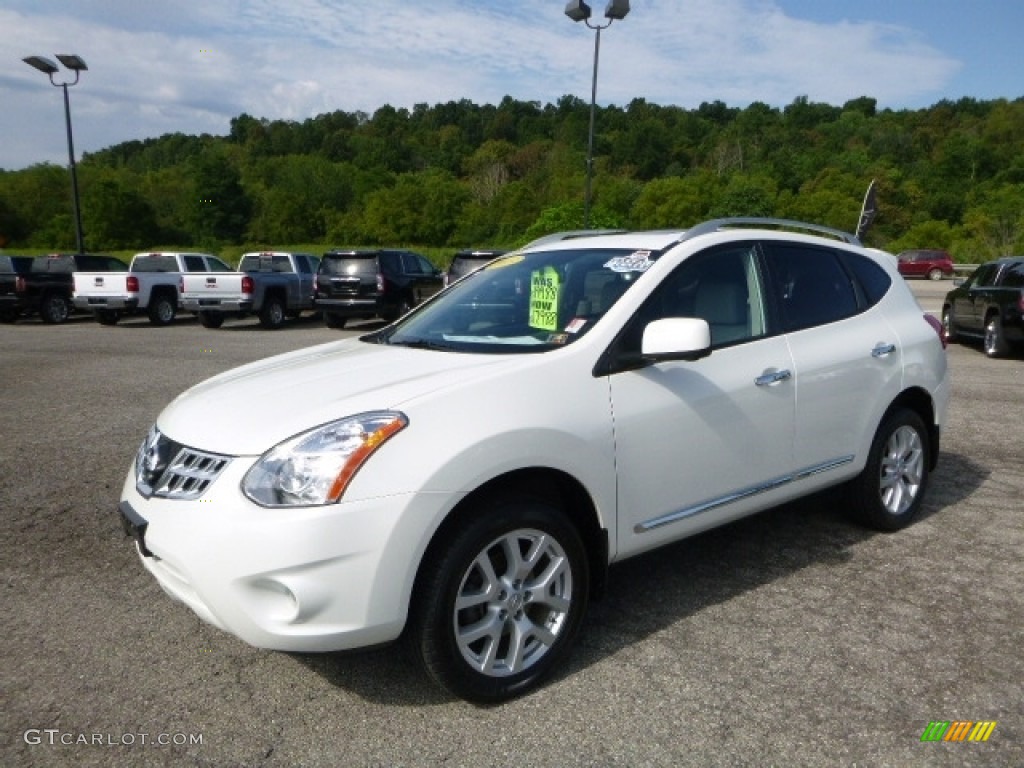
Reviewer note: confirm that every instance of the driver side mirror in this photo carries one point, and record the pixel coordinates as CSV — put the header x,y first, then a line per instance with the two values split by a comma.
x,y
676,338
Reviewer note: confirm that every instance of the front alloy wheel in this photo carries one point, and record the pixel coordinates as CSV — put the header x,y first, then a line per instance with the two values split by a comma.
x,y
889,492
500,605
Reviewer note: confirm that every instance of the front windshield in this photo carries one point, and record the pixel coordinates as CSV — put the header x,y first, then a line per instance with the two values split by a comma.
x,y
523,302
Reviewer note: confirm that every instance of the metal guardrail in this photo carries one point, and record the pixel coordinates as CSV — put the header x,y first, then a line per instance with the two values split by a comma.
x,y
964,269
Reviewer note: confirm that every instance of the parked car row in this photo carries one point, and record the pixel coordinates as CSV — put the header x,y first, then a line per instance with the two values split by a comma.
x,y
273,285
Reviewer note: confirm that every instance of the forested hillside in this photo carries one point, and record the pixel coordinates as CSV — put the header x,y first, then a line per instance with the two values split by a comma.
x,y
460,174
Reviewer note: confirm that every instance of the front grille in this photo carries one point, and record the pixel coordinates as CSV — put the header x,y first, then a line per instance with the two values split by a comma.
x,y
167,469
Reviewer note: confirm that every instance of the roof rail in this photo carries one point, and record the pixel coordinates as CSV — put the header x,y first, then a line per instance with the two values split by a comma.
x,y
714,225
569,235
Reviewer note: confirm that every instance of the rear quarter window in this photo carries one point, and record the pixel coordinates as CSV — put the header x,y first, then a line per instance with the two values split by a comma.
x,y
1014,277
874,281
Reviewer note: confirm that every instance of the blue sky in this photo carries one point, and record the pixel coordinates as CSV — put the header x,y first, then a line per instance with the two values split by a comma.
x,y
191,65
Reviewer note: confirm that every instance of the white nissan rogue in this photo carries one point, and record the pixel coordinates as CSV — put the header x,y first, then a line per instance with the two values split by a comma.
x,y
463,478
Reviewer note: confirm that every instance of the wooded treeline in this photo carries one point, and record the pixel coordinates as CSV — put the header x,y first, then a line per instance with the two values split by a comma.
x,y
460,174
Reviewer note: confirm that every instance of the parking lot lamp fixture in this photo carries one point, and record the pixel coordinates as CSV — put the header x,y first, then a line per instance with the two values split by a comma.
x,y
77,65
577,10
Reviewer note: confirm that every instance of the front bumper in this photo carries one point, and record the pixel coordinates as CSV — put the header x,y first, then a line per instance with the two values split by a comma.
x,y
94,303
302,579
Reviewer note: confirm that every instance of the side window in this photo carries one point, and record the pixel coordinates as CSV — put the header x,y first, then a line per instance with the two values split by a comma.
x,y
194,264
722,286
425,265
411,264
809,285
301,264
983,277
389,262
874,281
1014,277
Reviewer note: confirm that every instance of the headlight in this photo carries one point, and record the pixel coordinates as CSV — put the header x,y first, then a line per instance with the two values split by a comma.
x,y
315,467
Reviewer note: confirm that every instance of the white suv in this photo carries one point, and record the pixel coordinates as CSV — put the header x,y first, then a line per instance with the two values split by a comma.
x,y
464,477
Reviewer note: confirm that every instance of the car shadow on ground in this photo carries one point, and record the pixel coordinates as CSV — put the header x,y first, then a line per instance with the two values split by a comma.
x,y
690,576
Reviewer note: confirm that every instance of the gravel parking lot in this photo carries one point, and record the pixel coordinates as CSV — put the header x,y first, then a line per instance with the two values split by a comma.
x,y
793,638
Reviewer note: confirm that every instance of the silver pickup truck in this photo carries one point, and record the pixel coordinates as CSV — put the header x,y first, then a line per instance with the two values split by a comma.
x,y
151,284
273,285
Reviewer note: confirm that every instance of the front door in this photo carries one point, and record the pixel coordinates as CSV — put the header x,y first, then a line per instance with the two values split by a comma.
x,y
699,443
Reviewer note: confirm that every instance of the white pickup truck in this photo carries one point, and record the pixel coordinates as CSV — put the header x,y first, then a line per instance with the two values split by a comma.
x,y
272,285
151,284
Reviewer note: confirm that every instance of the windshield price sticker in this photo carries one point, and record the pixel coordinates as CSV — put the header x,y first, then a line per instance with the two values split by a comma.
x,y
545,286
639,261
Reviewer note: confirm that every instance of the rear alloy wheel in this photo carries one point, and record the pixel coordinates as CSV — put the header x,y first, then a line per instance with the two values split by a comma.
x,y
272,313
54,308
935,274
889,492
162,309
995,341
211,319
500,605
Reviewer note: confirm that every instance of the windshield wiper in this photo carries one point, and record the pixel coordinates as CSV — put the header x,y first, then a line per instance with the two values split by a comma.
x,y
421,344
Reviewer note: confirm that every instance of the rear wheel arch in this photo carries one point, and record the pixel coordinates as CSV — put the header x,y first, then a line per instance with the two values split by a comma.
x,y
919,401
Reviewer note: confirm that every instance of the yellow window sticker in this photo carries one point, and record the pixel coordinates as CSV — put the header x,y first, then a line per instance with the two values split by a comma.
x,y
545,287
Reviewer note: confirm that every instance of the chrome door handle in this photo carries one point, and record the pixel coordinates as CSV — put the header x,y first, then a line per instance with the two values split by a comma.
x,y
881,350
768,379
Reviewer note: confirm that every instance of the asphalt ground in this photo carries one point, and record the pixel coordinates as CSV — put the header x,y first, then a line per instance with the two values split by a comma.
x,y
793,638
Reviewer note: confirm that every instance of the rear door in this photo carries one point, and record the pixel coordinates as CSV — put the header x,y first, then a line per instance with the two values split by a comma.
x,y
847,357
423,278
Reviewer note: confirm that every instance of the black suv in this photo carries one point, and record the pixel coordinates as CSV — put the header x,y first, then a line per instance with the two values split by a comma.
x,y
379,283
467,260
989,304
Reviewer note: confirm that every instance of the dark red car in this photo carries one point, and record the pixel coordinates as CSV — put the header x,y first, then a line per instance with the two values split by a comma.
x,y
925,262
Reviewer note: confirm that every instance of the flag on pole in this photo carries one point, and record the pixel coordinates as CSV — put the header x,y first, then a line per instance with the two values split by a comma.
x,y
868,211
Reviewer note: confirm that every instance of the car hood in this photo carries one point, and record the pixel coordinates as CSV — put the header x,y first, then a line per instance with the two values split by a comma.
x,y
248,410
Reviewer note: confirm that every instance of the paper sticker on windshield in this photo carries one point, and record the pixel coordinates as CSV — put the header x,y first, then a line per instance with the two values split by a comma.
x,y
576,325
639,261
545,287
506,261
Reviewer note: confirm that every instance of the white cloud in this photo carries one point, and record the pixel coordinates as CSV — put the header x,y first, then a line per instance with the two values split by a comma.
x,y
192,65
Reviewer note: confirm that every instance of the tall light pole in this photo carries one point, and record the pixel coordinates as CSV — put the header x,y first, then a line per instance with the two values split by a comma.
x,y
577,10
77,65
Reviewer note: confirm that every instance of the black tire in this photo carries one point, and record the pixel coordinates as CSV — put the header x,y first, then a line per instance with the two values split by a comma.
x,y
107,316
54,308
272,313
334,321
949,325
162,309
889,492
996,344
9,315
403,307
211,319
506,595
